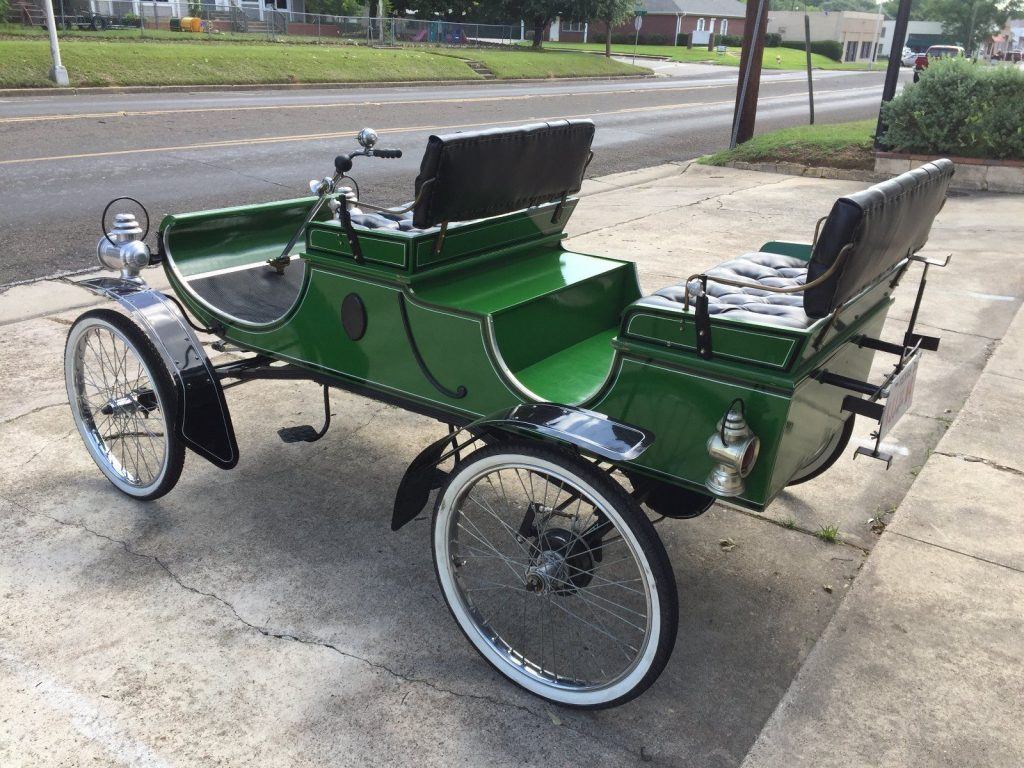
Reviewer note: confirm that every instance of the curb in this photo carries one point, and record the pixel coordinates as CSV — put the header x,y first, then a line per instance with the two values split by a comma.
x,y
130,89
809,171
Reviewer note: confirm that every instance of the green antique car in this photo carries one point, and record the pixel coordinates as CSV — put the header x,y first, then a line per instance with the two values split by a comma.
x,y
570,398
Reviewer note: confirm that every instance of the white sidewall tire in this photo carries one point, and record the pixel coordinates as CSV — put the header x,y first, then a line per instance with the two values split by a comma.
x,y
654,656
133,336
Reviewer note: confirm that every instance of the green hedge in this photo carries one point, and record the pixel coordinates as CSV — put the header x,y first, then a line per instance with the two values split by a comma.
x,y
959,108
832,49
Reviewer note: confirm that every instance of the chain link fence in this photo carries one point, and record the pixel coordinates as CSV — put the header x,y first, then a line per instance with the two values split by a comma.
x,y
258,21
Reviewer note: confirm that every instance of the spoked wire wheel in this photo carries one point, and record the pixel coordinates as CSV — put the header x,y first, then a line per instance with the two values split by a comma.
x,y
555,575
124,403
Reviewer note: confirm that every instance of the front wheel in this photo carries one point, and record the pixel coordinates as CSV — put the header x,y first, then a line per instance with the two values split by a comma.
x,y
124,403
555,575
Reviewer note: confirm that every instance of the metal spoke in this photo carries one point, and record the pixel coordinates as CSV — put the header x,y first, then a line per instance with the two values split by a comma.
x,y
557,623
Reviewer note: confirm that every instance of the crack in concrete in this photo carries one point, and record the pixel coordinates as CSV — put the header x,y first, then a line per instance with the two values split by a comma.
x,y
35,410
46,445
313,642
980,460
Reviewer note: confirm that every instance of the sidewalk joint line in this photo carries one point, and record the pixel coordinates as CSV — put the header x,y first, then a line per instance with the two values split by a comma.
x,y
959,552
796,528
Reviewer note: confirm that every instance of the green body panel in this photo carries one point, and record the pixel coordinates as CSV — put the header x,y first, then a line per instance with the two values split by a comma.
x,y
419,251
506,312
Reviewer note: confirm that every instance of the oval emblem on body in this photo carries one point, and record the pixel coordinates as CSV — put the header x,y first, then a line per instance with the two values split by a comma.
x,y
353,316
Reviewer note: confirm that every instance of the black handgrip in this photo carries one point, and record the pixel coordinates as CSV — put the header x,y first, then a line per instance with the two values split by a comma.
x,y
387,153
343,164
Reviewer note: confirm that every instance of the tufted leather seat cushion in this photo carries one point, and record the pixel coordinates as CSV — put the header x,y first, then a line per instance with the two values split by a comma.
x,y
394,221
748,304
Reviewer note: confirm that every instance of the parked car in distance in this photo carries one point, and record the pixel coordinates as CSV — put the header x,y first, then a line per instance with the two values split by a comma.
x,y
935,52
908,57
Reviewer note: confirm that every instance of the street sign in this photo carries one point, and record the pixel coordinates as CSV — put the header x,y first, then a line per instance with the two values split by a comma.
x,y
638,22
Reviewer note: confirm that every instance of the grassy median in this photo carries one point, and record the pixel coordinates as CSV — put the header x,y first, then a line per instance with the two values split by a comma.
x,y
774,58
843,145
25,63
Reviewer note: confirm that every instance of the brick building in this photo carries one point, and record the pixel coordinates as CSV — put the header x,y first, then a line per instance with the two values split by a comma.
x,y
664,22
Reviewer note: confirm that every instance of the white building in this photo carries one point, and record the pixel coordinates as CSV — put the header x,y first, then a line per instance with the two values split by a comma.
x,y
920,35
857,32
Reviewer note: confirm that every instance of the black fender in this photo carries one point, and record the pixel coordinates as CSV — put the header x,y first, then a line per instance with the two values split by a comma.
x,y
203,423
589,431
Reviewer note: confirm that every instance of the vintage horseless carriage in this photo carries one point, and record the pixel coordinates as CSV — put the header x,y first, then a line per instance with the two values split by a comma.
x,y
571,398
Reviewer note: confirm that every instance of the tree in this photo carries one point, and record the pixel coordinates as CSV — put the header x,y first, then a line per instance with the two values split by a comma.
x,y
611,12
537,13
970,21
334,7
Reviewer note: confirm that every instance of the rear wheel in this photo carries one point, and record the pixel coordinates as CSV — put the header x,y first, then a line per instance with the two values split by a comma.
x,y
555,575
124,403
829,454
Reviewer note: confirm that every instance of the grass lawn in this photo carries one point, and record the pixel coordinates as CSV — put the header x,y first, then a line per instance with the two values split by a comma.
x,y
774,58
25,63
518,64
842,145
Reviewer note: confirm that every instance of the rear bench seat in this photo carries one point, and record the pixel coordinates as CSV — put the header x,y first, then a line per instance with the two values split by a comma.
x,y
884,224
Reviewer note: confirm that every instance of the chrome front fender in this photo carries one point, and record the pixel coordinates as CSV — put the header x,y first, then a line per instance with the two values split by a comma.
x,y
203,421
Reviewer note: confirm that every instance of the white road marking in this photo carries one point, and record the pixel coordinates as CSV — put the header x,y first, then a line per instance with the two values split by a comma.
x,y
86,716
196,146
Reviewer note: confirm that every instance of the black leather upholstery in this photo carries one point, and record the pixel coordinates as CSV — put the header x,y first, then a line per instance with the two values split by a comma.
x,y
747,304
477,174
886,223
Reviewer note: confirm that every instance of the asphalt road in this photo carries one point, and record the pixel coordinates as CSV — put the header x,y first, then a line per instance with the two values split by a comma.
x,y
62,158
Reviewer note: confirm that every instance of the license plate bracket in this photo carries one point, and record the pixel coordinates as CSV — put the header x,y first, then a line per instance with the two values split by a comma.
x,y
899,395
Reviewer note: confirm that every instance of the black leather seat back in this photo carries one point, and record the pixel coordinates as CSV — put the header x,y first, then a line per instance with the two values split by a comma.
x,y
886,223
477,174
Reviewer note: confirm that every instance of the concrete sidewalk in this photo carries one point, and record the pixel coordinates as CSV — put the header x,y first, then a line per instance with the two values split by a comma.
x,y
268,614
922,663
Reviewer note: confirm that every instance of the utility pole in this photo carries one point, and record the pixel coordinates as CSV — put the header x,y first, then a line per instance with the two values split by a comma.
x,y
58,73
970,30
745,114
892,74
807,49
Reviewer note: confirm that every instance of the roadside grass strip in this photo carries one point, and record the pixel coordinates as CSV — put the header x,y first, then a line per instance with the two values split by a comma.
x,y
774,58
842,145
124,62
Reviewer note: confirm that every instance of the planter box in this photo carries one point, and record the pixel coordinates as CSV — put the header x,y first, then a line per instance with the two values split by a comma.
x,y
971,172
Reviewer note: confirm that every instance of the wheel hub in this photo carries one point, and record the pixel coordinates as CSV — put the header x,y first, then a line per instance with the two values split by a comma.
x,y
128,404
563,564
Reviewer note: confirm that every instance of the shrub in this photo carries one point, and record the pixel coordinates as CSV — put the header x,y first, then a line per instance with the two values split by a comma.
x,y
959,108
628,38
831,49
771,40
